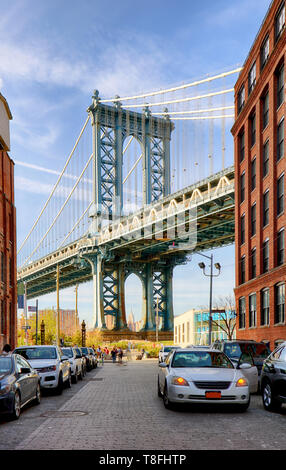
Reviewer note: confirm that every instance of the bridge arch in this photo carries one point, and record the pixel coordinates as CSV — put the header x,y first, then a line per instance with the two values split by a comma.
x,y
132,174
134,289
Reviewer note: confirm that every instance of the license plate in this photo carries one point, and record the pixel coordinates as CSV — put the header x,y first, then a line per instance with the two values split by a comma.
x,y
213,395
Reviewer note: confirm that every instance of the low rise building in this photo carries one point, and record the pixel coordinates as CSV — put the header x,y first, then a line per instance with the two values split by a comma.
x,y
8,277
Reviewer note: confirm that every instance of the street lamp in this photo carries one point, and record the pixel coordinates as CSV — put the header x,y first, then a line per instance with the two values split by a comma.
x,y
157,319
211,275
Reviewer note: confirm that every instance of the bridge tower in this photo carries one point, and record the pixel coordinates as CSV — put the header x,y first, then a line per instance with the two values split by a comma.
x,y
111,125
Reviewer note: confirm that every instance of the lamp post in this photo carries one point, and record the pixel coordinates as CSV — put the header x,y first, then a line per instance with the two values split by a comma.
x,y
157,319
211,275
58,306
76,313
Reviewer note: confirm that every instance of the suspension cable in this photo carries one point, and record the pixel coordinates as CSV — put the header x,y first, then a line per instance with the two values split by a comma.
x,y
56,185
202,117
194,111
183,100
60,211
75,225
180,87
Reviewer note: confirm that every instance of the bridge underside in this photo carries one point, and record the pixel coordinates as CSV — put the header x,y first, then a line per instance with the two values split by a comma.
x,y
150,253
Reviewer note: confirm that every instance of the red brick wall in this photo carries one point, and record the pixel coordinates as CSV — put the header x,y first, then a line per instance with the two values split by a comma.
x,y
8,286
264,79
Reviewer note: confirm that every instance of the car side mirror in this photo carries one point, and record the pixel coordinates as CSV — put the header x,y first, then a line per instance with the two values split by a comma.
x,y
244,365
25,370
163,365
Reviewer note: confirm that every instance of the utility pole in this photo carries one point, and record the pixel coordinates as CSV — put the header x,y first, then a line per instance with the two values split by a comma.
x,y
58,307
76,312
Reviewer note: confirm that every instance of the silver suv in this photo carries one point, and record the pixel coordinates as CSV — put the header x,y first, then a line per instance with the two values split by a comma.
x,y
75,363
50,363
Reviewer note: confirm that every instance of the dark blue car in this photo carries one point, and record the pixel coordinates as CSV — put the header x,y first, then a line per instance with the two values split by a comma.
x,y
19,385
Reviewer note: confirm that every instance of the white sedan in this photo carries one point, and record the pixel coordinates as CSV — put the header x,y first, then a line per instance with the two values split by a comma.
x,y
202,376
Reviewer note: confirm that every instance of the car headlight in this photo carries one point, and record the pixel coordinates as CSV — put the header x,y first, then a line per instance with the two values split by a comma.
x,y
179,381
242,382
5,389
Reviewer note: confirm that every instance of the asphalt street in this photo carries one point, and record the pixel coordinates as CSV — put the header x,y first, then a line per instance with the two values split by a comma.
x,y
117,408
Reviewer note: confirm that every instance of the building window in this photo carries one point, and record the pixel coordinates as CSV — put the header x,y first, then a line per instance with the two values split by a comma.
x,y
252,78
242,187
280,21
183,332
265,256
280,247
253,220
265,306
253,174
242,270
265,110
280,303
240,99
280,195
265,208
188,332
280,85
241,313
242,229
252,129
252,310
241,143
280,139
265,158
264,52
253,263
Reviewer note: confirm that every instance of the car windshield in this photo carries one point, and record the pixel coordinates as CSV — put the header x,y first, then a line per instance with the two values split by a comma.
x,y
168,348
37,353
201,359
234,350
259,350
84,350
5,365
67,352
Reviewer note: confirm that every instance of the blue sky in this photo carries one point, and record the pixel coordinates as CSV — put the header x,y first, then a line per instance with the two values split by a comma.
x,y
54,54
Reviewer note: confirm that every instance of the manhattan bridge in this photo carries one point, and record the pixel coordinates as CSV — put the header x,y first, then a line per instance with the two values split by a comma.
x,y
149,180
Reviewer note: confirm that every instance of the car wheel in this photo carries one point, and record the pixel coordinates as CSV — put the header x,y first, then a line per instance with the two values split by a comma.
x,y
243,407
269,402
69,380
80,376
159,391
16,406
60,386
75,377
37,400
167,403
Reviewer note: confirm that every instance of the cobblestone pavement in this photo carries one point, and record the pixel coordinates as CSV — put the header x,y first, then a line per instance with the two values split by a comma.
x,y
117,408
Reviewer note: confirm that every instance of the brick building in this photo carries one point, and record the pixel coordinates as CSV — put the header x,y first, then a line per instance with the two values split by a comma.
x,y
8,278
260,164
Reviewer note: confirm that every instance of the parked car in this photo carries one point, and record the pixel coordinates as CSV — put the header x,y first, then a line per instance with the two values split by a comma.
x,y
202,376
75,363
52,366
164,351
233,349
93,357
19,385
273,379
88,357
83,359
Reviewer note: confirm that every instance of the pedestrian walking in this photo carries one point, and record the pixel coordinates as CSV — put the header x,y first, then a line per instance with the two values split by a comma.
x,y
120,356
113,354
6,351
100,356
